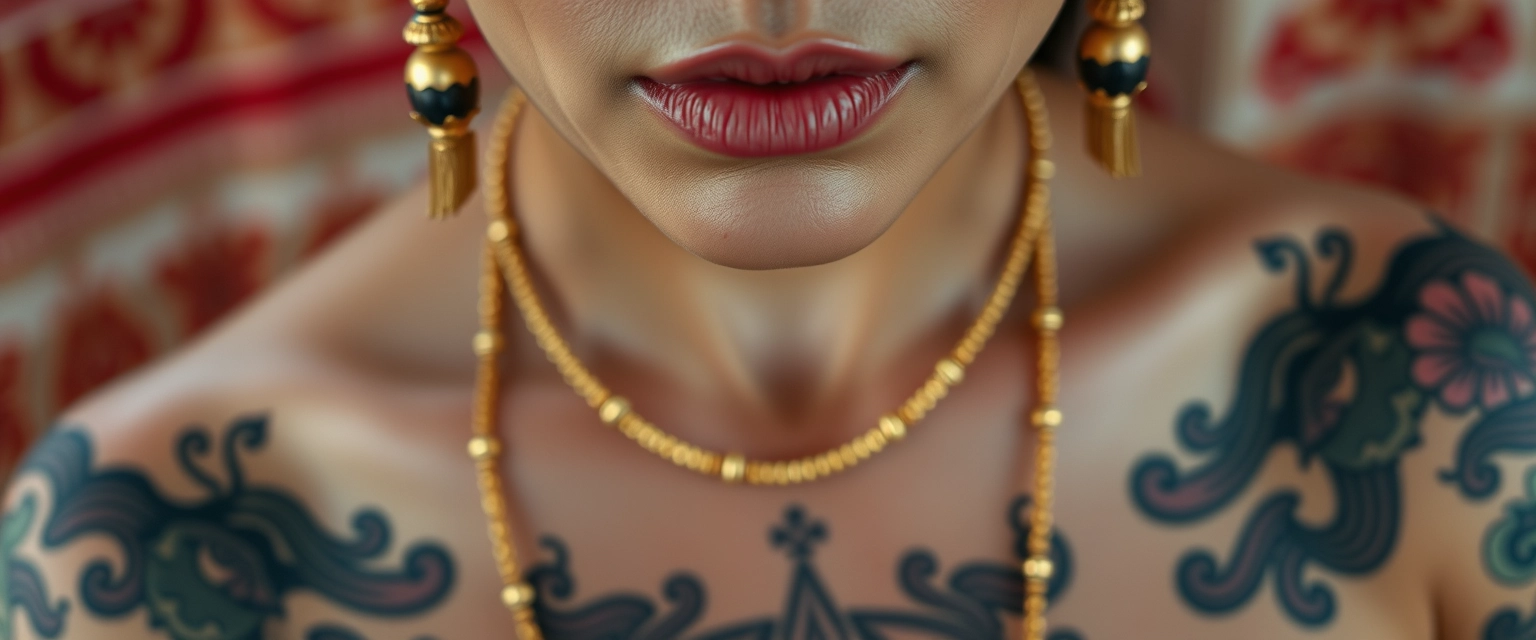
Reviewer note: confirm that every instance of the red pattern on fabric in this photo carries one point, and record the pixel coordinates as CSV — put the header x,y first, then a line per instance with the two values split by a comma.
x,y
1435,165
280,14
213,272
1291,66
47,177
15,428
98,340
1479,54
1328,39
142,37
1522,228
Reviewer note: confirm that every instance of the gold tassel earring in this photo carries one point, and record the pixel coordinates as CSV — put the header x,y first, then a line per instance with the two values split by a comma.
x,y
1112,60
444,87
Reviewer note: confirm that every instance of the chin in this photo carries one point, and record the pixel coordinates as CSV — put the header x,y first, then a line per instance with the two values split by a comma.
x,y
796,214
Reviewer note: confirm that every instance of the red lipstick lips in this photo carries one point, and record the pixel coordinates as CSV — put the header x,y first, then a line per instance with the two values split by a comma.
x,y
750,102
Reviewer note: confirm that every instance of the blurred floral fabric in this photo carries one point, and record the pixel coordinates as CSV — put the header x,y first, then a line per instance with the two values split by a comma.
x,y
162,161
1435,99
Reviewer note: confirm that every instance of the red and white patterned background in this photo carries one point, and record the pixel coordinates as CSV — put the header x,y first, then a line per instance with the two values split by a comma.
x,y
163,160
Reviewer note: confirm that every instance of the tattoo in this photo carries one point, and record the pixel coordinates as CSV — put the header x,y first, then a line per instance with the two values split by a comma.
x,y
21,584
969,606
336,632
1347,384
220,567
1509,554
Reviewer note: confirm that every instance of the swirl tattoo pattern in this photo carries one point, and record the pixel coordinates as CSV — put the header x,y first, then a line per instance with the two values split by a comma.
x,y
1509,551
21,584
969,606
219,568
1346,384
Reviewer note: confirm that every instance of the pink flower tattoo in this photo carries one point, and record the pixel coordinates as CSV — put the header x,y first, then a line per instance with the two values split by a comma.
x,y
1472,343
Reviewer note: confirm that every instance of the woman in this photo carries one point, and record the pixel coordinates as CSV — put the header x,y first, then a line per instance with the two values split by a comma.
x,y
1291,409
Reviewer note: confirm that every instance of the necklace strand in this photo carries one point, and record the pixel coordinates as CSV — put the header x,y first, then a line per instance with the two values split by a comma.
x,y
504,266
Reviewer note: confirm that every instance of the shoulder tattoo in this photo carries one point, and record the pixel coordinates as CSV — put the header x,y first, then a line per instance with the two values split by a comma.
x,y
217,567
1346,383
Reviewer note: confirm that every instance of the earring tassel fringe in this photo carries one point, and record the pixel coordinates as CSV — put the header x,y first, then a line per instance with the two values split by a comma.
x,y
451,165
1112,139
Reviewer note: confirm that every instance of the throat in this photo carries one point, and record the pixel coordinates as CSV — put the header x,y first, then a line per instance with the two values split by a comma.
x,y
832,346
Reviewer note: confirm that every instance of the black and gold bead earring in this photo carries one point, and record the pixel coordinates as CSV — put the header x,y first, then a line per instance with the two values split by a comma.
x,y
444,87
1112,60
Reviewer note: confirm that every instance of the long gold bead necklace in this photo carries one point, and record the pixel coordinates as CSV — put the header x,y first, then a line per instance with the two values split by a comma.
x,y
505,268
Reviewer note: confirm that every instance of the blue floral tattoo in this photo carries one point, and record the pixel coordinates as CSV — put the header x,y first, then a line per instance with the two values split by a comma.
x,y
1347,385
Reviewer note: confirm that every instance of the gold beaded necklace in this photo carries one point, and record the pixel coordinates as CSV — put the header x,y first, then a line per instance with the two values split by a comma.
x,y
505,268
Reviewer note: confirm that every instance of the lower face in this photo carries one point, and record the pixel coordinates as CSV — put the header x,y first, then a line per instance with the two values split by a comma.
x,y
764,134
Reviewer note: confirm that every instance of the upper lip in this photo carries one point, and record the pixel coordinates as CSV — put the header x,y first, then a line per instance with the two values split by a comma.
x,y
757,64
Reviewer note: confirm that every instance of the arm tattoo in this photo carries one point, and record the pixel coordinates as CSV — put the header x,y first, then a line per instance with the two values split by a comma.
x,y
219,567
970,606
1346,384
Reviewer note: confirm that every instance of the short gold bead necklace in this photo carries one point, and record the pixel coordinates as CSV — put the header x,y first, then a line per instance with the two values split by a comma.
x,y
505,268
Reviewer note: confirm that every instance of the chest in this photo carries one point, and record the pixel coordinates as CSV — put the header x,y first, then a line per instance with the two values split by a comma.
x,y
1190,503
1160,533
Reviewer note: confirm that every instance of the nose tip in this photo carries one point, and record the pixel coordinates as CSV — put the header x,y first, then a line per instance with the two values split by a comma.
x,y
777,18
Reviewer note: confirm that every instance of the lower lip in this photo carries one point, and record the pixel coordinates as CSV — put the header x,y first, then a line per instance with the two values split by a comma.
x,y
755,121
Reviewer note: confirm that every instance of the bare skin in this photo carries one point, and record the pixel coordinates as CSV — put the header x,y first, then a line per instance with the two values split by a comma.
x,y
361,367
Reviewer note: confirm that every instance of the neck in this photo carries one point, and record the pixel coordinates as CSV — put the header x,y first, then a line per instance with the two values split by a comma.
x,y
783,344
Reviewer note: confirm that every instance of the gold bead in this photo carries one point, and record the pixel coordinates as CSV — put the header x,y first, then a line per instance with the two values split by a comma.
x,y
437,68
1039,568
483,447
1049,319
949,371
1107,44
893,428
429,6
486,342
517,596
875,441
792,471
613,409
1047,417
860,448
1044,169
734,468
498,231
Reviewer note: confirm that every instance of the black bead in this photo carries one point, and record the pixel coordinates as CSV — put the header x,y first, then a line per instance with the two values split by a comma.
x,y
435,105
1115,78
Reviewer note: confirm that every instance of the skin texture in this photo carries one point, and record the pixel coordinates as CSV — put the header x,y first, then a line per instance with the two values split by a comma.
x,y
576,60
1215,332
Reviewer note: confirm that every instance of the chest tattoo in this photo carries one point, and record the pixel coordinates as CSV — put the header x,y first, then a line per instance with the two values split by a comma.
x,y
979,600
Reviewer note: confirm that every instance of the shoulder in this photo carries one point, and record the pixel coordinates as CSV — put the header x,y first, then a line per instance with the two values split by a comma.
x,y
197,494
1385,369
340,343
